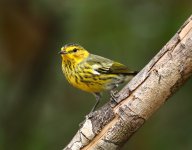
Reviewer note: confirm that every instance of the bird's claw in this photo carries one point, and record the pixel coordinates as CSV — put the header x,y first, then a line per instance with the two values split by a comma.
x,y
81,124
89,116
114,96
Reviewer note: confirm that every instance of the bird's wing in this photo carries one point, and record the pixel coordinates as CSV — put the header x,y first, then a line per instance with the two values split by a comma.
x,y
107,66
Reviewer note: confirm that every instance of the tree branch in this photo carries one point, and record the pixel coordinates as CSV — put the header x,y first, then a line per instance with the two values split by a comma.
x,y
114,123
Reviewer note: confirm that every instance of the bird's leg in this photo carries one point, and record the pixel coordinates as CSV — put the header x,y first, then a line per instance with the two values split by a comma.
x,y
97,97
90,115
114,94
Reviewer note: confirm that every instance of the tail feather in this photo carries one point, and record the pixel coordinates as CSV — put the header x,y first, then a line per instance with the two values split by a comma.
x,y
132,73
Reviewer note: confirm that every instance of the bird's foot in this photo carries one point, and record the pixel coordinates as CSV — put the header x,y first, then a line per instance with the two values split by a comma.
x,y
114,96
81,124
89,116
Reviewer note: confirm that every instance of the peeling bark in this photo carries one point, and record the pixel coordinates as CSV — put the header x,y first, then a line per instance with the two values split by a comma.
x,y
114,123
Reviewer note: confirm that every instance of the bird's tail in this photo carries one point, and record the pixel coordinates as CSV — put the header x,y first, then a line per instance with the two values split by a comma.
x,y
130,75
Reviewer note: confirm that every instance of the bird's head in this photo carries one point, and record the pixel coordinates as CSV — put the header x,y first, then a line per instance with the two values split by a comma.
x,y
73,52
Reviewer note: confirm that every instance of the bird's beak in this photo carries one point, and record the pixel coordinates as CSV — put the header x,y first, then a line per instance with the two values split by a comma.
x,y
62,52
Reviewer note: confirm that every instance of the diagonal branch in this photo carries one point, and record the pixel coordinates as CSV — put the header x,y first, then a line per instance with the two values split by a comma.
x,y
113,124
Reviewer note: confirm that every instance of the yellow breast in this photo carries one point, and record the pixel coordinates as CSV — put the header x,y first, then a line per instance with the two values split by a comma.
x,y
88,80
82,79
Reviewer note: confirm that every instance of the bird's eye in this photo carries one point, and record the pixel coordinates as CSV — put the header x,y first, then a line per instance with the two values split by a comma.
x,y
75,50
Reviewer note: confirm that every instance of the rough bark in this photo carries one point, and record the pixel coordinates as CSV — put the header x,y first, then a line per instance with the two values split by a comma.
x,y
114,123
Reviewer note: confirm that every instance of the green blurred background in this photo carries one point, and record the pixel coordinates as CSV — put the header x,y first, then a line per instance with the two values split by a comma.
x,y
39,110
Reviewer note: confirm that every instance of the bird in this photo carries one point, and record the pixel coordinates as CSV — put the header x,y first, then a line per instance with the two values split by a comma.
x,y
92,73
